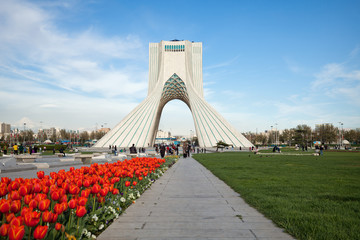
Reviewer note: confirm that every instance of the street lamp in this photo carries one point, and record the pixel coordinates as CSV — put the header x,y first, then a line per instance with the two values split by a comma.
x,y
341,133
24,132
271,140
276,134
41,122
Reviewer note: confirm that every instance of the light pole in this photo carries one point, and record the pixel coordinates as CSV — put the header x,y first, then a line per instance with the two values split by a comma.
x,y
24,132
41,122
276,134
271,140
341,133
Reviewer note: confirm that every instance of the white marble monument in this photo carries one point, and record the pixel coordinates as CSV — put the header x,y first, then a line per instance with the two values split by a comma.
x,y
175,72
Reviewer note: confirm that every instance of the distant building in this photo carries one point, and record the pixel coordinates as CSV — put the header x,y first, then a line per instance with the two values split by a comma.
x,y
163,134
164,137
104,130
50,132
5,128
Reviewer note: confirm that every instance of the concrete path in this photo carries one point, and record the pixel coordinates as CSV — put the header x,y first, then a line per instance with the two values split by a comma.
x,y
189,202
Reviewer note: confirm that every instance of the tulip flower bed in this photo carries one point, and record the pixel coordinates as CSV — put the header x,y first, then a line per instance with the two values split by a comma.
x,y
78,204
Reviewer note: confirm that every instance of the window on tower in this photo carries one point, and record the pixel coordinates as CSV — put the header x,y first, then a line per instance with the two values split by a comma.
x,y
174,48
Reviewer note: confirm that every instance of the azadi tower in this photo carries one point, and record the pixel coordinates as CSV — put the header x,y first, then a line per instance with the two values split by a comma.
x,y
175,72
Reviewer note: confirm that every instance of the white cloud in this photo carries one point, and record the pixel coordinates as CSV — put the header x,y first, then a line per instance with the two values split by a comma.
x,y
292,65
65,79
222,64
335,73
355,51
48,106
34,48
337,82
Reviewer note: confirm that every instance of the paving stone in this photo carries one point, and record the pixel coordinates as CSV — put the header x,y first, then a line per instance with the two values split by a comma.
x,y
189,202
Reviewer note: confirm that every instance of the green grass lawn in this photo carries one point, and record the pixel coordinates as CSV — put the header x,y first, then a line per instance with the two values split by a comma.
x,y
311,197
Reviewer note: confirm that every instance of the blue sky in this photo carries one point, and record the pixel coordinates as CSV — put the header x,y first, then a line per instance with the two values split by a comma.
x,y
82,64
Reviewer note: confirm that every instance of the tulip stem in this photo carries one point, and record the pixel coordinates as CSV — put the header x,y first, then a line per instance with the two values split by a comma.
x,y
29,232
70,215
93,203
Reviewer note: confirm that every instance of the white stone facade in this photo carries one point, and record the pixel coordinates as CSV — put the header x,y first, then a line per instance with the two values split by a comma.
x,y
175,72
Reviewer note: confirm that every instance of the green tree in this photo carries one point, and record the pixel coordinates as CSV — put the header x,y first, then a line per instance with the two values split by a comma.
x,y
326,133
64,135
302,134
221,144
352,136
84,136
287,136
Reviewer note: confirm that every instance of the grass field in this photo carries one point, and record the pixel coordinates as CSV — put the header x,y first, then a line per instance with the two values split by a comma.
x,y
311,197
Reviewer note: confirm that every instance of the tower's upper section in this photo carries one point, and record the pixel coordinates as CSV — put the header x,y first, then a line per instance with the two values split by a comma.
x,y
183,58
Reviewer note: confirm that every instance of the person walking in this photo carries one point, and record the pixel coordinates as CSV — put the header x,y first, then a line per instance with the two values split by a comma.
x,y
15,147
5,149
133,149
321,150
162,150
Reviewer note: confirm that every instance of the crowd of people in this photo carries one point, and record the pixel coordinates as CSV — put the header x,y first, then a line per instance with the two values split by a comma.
x,y
17,149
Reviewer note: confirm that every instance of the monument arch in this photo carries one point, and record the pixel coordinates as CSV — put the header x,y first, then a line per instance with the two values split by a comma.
x,y
175,72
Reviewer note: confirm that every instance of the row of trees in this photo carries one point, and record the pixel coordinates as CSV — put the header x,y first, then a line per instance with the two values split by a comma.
x,y
304,134
63,134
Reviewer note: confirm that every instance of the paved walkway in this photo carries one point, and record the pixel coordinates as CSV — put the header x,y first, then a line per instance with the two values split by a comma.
x,y
189,202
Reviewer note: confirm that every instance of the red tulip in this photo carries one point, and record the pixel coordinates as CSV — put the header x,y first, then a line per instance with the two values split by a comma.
x,y
55,195
134,183
47,216
55,217
58,226
30,220
63,198
40,196
37,188
5,180
115,180
82,201
16,232
23,190
33,203
127,184
15,195
64,206
86,183
79,183
40,232
44,204
40,174
4,229
25,210
59,181
73,189
72,203
17,221
58,208
3,189
104,192
28,198
9,217
140,178
85,193
14,186
95,188
4,205
80,211
45,189
115,191
15,206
